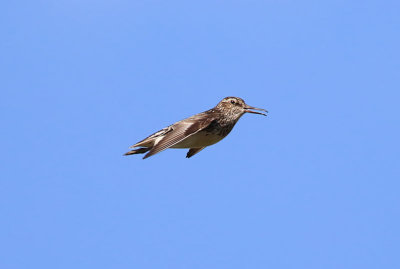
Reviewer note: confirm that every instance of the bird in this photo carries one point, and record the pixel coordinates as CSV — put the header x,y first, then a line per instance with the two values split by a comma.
x,y
197,132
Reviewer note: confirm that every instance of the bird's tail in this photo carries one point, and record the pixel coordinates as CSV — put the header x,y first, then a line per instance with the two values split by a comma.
x,y
137,151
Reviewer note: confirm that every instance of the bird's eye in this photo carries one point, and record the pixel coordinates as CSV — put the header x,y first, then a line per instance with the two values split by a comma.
x,y
233,102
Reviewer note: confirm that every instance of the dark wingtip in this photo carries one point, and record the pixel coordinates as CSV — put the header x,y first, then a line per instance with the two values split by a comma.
x,y
137,151
149,154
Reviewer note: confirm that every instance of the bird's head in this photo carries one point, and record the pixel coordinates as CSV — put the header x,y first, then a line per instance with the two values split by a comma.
x,y
237,107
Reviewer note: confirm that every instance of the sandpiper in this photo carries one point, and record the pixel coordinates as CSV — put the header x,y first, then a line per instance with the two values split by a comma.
x,y
197,132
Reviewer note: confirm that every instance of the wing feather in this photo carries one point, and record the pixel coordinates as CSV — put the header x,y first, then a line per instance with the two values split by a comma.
x,y
181,130
149,141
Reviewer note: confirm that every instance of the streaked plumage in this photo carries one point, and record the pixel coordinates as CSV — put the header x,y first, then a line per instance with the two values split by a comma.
x,y
196,132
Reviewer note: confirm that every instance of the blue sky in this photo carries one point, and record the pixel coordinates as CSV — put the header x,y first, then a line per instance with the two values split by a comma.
x,y
313,185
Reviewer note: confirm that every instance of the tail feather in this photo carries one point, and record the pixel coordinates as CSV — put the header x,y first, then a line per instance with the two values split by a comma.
x,y
137,151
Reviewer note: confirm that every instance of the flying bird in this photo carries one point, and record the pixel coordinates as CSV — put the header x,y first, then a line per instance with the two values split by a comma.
x,y
198,131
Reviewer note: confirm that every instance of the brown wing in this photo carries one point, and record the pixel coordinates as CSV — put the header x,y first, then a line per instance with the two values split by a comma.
x,y
181,130
149,141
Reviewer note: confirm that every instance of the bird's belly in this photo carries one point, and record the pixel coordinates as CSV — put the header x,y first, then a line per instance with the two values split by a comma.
x,y
199,140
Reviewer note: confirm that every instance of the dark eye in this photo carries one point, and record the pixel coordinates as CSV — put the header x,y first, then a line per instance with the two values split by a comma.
x,y
233,102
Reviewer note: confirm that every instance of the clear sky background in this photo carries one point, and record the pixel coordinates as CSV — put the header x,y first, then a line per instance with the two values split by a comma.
x,y
313,185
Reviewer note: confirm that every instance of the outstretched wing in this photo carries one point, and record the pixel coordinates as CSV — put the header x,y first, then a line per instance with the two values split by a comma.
x,y
180,131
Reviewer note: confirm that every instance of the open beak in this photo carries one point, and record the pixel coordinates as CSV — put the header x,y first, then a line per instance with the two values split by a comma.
x,y
247,109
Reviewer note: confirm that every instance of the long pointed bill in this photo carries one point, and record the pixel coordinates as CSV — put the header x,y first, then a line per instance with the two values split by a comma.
x,y
247,109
